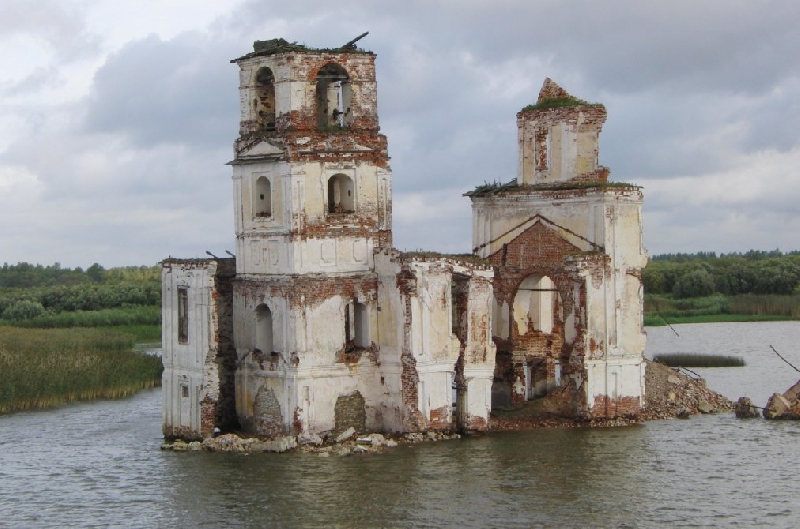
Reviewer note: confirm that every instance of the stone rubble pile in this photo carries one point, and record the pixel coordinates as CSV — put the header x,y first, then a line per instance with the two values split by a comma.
x,y
671,394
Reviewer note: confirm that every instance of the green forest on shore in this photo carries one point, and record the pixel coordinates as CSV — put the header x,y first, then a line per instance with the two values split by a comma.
x,y
706,287
69,334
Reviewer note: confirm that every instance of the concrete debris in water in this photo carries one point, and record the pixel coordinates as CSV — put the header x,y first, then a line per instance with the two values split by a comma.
x,y
744,409
786,406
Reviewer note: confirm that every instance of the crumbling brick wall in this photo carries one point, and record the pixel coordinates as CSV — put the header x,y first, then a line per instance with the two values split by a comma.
x,y
350,411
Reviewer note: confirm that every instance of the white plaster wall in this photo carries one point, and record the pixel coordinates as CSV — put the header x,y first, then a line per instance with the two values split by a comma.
x,y
299,202
583,213
185,363
479,390
616,378
572,147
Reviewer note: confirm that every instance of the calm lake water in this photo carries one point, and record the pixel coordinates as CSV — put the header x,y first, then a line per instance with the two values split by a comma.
x,y
99,465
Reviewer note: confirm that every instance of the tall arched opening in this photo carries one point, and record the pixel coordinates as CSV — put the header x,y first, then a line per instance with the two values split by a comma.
x,y
264,332
341,194
333,97
264,102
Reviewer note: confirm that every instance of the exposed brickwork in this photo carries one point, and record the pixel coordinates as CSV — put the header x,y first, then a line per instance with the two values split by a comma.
x,y
350,411
441,419
606,407
542,252
477,424
225,416
307,290
267,419
406,283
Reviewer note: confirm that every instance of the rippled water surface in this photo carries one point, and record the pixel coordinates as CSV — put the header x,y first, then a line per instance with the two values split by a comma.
x,y
98,465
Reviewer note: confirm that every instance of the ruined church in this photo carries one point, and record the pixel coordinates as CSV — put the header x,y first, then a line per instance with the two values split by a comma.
x,y
318,324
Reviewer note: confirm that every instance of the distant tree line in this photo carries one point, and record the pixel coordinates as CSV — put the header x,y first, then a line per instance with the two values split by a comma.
x,y
26,275
29,292
706,273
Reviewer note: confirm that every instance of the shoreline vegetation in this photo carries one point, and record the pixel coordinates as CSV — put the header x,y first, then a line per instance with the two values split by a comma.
x,y
49,367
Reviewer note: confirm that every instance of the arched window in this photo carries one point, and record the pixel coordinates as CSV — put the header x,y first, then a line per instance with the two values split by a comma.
x,y
334,95
264,336
263,198
264,103
534,304
341,194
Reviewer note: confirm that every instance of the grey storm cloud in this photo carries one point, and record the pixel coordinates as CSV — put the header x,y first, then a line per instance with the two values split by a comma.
x,y
177,91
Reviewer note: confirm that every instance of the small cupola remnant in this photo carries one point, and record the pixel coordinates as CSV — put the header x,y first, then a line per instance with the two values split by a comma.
x,y
558,139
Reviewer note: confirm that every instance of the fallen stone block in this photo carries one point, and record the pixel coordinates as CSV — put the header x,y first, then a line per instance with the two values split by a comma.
x,y
779,407
345,435
309,439
744,409
704,407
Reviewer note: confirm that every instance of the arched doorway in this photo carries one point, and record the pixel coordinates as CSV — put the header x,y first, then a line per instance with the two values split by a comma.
x,y
536,329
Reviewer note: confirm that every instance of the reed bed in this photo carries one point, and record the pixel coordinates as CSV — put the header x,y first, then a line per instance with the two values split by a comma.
x,y
48,367
699,360
788,306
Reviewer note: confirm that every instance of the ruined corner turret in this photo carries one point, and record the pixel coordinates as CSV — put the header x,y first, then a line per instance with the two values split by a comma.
x,y
558,138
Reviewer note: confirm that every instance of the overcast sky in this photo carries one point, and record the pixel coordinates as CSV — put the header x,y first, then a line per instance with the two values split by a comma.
x,y
117,117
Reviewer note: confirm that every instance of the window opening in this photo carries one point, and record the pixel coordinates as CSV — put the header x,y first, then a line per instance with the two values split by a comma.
x,y
263,203
356,326
183,315
340,194
264,103
542,139
333,98
264,334
459,296
534,304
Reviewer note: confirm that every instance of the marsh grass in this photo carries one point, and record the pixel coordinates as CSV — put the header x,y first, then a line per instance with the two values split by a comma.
x,y
699,360
651,320
660,308
92,318
48,367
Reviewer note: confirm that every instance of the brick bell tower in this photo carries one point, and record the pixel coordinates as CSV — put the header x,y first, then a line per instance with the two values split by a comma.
x,y
312,202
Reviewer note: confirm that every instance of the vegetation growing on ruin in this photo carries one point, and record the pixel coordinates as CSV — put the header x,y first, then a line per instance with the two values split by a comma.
x,y
699,360
466,257
493,188
47,367
490,188
279,45
559,102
